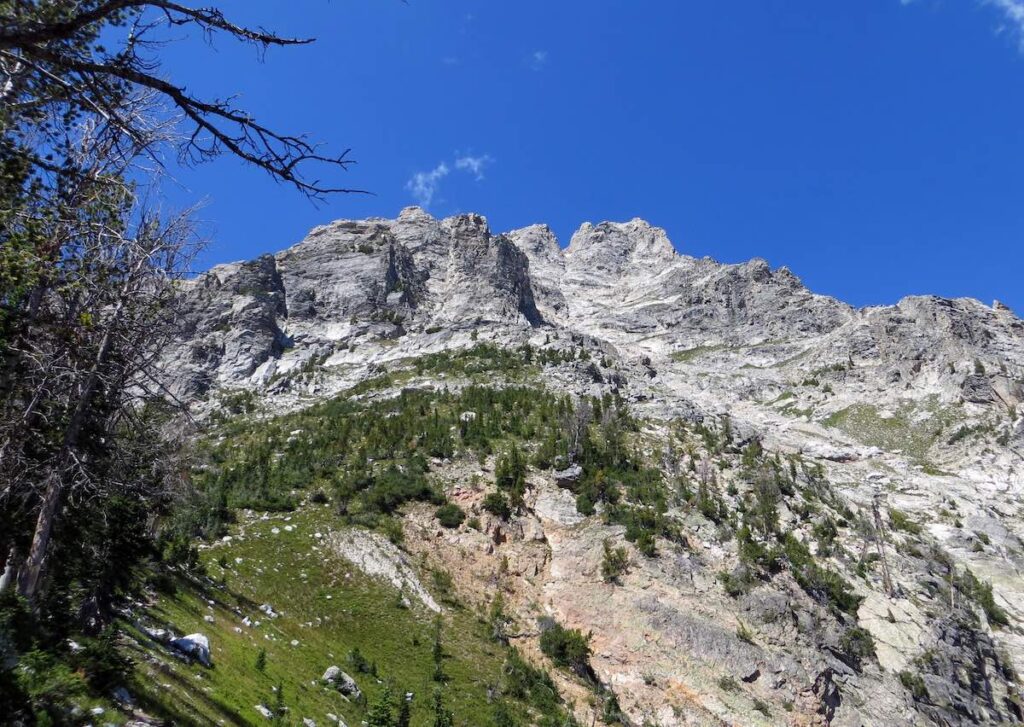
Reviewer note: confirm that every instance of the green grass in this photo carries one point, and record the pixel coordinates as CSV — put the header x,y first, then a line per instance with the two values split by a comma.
x,y
787,394
792,410
691,354
326,605
901,431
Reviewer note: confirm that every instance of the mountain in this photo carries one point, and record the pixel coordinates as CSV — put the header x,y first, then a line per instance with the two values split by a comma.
x,y
881,449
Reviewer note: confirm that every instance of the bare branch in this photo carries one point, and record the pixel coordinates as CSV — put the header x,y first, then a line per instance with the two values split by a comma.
x,y
58,63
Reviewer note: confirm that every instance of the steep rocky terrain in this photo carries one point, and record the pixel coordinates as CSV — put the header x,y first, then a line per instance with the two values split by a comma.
x,y
893,439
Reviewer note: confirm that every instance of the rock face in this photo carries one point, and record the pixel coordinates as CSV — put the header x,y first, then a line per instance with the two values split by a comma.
x,y
357,292
376,556
921,402
962,667
348,283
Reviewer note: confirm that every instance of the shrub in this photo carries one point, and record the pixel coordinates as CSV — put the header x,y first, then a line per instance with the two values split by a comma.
x,y
857,644
612,711
450,515
392,529
318,498
982,594
823,585
826,532
584,505
101,662
568,648
614,564
527,683
49,684
360,663
755,555
438,653
497,504
728,684
503,715
900,521
395,487
914,684
647,545
738,582
444,585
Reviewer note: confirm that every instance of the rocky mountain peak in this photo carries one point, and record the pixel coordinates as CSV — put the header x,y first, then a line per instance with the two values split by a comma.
x,y
614,246
539,243
413,212
466,226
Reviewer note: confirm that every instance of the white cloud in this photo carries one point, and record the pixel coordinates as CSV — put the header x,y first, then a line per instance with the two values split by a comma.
x,y
473,164
538,59
423,185
1013,15
1012,12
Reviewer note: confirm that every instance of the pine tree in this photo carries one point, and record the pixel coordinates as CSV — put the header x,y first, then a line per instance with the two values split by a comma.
x,y
380,714
442,717
404,717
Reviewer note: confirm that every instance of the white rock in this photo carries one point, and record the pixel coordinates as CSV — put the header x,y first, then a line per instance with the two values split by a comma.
x,y
195,645
266,609
264,711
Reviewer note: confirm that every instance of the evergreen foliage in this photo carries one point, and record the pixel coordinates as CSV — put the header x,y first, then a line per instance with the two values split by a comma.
x,y
614,563
568,648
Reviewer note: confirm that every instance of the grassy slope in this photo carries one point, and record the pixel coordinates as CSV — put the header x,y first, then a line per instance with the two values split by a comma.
x,y
899,431
329,608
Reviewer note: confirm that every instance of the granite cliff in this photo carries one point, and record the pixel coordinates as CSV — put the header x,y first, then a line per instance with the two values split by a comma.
x,y
915,409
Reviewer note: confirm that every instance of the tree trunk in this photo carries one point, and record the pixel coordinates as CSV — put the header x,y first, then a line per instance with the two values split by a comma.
x,y
28,580
10,573
31,573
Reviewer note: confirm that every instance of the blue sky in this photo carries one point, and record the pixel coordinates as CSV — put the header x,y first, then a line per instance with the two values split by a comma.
x,y
876,147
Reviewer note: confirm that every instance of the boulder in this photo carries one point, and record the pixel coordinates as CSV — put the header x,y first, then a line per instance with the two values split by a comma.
x,y
266,608
342,682
569,476
977,389
196,646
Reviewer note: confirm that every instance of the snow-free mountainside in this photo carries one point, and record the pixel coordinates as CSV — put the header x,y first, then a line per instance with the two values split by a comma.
x,y
605,483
